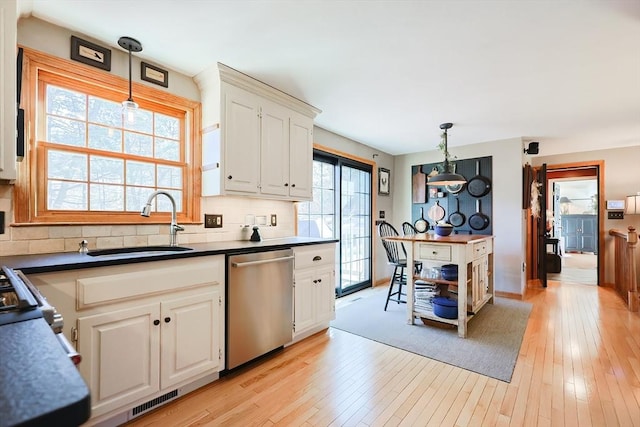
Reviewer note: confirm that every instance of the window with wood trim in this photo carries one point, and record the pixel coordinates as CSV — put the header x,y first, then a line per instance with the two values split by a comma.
x,y
89,164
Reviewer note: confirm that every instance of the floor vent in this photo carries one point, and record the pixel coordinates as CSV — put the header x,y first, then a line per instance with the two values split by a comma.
x,y
152,403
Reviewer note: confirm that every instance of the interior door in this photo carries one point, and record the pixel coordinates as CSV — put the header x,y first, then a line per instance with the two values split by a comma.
x,y
542,226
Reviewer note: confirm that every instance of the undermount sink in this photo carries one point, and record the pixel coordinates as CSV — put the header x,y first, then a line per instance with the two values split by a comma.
x,y
137,249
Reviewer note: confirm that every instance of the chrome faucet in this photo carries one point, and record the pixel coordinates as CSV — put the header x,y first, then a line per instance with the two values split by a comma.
x,y
173,227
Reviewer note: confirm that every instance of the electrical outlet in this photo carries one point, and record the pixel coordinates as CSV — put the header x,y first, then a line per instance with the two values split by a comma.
x,y
274,220
212,221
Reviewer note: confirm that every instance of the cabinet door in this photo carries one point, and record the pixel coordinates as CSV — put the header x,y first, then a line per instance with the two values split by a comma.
x,y
190,337
304,290
588,230
325,294
274,146
570,228
8,20
241,140
121,356
301,157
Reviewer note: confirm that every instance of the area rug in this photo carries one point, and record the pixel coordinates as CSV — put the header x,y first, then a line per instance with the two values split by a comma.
x,y
491,348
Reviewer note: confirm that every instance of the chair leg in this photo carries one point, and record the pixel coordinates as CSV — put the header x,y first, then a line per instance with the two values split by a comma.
x,y
393,279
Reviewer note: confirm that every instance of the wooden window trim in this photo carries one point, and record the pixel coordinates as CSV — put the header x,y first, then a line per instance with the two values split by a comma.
x,y
26,192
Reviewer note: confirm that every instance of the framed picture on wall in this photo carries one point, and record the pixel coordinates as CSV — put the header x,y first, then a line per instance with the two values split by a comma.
x,y
384,177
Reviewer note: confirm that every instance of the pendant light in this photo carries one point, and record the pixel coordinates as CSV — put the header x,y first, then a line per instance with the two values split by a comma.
x,y
129,107
446,177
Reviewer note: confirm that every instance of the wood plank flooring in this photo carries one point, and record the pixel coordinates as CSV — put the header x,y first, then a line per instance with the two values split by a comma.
x,y
579,365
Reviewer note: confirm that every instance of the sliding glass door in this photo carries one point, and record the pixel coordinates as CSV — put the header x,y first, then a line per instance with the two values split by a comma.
x,y
341,208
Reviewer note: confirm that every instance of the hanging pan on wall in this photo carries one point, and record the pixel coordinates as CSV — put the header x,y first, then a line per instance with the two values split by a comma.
x,y
457,218
478,221
436,212
478,186
421,224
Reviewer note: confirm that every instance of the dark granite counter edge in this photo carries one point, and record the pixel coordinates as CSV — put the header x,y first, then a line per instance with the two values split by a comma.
x,y
62,261
39,385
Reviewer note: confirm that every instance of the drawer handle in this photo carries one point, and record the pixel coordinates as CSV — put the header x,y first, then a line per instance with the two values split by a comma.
x,y
435,252
317,258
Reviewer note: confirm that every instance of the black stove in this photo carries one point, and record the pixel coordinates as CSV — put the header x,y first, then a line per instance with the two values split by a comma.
x,y
20,300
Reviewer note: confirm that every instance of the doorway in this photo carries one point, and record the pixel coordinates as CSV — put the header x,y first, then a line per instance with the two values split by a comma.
x,y
573,199
342,208
575,218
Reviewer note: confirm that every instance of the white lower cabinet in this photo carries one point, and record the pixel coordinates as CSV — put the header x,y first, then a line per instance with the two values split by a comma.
x,y
136,352
314,288
143,330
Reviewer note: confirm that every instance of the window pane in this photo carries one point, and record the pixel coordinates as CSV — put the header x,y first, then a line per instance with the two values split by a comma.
x,y
107,197
137,198
66,103
142,122
63,195
105,112
69,166
139,173
167,149
168,127
104,138
169,177
65,131
104,169
135,143
164,204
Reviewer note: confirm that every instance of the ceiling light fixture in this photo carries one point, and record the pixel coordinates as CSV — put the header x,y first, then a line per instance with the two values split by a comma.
x,y
447,177
129,107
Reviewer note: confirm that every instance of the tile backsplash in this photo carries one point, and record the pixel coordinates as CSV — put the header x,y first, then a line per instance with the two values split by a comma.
x,y
35,239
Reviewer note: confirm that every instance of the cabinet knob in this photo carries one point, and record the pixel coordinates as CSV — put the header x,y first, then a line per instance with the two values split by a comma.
x,y
229,177
286,184
156,322
167,319
293,185
319,280
315,281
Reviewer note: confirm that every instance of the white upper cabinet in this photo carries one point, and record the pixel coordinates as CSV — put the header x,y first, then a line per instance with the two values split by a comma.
x,y
8,29
261,141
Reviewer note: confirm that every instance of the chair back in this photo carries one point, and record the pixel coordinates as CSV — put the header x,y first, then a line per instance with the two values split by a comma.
x,y
408,229
396,252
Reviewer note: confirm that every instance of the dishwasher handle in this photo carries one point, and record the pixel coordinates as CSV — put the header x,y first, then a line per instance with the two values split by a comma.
x,y
262,261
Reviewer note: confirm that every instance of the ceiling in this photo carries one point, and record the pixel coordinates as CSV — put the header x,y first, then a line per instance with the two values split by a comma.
x,y
387,73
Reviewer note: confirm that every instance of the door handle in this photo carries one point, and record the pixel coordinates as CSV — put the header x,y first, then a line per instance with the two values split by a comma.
x,y
262,261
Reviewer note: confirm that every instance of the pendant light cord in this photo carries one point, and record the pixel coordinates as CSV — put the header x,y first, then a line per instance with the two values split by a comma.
x,y
130,98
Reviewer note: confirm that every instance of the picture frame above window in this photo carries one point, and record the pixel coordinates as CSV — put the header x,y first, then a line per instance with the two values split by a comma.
x,y
90,53
384,181
153,74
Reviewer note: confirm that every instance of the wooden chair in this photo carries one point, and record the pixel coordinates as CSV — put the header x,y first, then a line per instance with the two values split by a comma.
x,y
408,229
396,256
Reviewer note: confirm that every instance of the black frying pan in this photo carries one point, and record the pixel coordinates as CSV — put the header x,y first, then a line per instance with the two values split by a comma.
x,y
421,224
479,185
478,221
457,218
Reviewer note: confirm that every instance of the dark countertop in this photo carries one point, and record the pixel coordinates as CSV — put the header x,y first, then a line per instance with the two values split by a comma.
x,y
39,385
42,263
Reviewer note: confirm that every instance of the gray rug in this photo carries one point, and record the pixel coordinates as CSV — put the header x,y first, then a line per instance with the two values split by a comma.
x,y
491,348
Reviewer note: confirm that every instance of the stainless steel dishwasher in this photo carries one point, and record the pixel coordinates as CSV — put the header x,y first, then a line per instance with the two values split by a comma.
x,y
259,304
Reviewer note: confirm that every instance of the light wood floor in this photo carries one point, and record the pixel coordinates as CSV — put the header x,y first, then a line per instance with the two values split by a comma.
x,y
579,365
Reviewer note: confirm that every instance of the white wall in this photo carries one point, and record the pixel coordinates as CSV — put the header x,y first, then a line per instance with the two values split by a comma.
x,y
508,224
